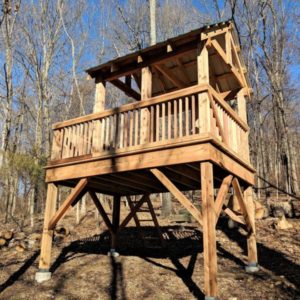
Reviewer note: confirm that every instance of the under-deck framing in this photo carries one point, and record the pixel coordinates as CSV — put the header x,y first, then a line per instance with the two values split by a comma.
x,y
187,131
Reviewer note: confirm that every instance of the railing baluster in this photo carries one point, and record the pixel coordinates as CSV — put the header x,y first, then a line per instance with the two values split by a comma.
x,y
65,142
163,122
130,128
136,120
152,124
175,120
180,117
187,116
169,119
157,123
122,131
126,129
193,114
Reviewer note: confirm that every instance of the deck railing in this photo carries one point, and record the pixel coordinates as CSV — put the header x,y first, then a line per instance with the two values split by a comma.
x,y
190,112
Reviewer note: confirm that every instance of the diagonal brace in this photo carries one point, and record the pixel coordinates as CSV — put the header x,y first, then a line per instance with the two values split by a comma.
x,y
101,210
243,205
133,212
76,193
222,195
177,194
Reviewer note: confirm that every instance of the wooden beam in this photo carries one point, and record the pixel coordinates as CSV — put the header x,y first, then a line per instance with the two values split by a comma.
x,y
155,59
179,178
101,210
126,89
224,57
251,239
202,64
76,193
115,221
137,80
155,221
162,81
135,218
133,212
177,194
142,182
182,69
246,214
232,215
209,231
223,190
125,185
171,77
228,46
46,244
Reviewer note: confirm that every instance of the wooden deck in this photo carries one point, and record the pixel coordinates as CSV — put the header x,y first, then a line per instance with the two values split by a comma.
x,y
118,147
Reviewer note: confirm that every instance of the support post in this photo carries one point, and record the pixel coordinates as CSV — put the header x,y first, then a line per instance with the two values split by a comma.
x,y
251,239
209,231
115,225
45,257
146,93
99,104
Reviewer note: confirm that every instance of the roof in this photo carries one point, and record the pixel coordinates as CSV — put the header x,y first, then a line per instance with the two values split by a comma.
x,y
175,41
174,63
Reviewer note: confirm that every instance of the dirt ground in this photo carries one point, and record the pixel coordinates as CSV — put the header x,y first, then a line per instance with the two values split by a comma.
x,y
82,270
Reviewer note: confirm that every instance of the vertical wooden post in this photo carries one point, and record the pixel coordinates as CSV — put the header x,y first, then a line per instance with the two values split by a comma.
x,y
146,93
46,245
209,232
203,78
251,240
99,104
115,220
242,112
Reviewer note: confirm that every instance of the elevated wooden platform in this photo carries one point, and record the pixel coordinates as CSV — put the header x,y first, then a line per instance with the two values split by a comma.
x,y
188,132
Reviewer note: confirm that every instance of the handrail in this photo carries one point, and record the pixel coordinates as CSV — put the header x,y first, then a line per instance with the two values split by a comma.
x,y
228,109
144,103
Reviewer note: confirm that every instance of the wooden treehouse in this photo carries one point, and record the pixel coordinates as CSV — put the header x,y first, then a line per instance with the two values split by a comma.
x,y
186,130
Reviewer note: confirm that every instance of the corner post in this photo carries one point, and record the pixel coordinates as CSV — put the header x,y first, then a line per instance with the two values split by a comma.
x,y
251,239
99,104
209,231
204,110
46,245
146,93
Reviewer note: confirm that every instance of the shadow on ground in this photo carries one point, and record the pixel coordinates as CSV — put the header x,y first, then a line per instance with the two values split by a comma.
x,y
180,242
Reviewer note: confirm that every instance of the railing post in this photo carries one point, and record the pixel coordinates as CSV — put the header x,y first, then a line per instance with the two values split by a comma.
x,y
56,151
146,93
242,112
203,78
99,104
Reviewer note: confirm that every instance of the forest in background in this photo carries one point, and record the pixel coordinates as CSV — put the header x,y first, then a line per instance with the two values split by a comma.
x,y
45,46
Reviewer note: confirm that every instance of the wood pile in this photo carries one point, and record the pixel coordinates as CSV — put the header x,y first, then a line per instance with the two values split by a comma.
x,y
20,241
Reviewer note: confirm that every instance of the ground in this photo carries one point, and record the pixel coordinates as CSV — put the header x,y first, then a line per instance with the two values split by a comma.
x,y
82,270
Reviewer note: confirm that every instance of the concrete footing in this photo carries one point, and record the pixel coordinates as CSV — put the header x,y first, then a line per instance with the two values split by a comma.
x,y
252,268
42,275
113,253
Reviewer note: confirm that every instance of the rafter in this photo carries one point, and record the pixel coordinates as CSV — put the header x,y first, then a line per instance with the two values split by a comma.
x,y
126,89
168,74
